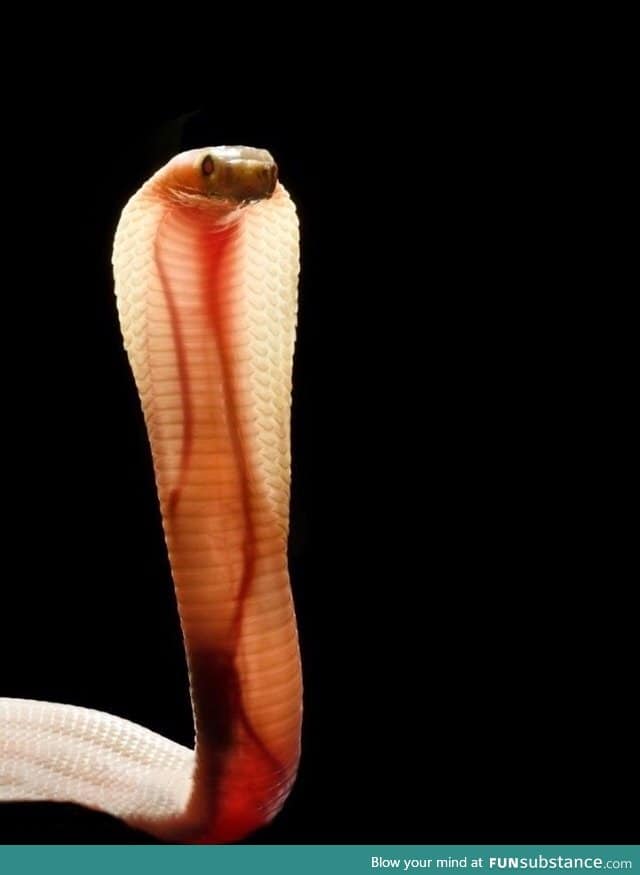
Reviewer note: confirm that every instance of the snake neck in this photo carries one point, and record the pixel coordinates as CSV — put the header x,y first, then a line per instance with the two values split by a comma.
x,y
227,550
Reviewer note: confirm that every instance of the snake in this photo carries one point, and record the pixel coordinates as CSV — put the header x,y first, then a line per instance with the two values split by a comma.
x,y
206,264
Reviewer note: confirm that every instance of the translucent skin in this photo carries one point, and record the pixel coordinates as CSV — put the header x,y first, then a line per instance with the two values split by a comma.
x,y
206,292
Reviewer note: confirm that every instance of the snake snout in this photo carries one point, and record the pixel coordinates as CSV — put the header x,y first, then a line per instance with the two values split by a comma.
x,y
253,180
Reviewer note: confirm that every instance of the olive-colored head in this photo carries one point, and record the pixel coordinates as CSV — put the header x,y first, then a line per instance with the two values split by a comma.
x,y
234,175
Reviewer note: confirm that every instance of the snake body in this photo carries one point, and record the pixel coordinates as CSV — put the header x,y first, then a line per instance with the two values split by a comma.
x,y
206,264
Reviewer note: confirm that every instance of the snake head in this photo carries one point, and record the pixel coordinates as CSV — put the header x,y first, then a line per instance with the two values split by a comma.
x,y
232,175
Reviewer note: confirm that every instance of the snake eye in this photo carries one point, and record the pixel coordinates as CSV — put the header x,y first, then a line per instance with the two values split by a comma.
x,y
208,166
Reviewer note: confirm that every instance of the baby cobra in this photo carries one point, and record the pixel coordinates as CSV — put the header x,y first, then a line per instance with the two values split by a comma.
x,y
206,268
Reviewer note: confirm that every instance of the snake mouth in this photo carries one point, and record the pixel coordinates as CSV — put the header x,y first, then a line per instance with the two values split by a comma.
x,y
238,174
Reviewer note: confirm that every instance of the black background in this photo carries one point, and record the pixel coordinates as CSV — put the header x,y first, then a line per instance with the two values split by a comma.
x,y
457,577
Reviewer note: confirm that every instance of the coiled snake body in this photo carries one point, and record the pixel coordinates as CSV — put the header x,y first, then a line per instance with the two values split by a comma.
x,y
206,265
